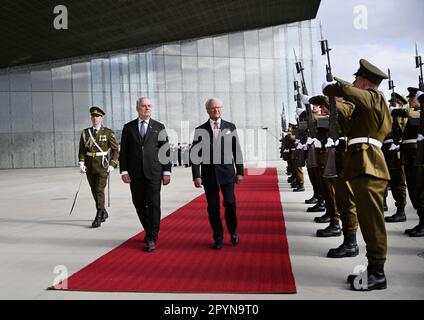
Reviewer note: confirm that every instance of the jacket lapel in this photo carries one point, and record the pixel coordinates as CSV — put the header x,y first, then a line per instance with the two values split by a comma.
x,y
149,129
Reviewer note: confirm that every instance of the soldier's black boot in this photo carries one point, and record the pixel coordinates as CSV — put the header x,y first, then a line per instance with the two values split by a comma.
x,y
290,179
313,200
418,230
300,188
104,215
294,184
323,219
399,216
98,219
319,207
349,247
333,230
375,279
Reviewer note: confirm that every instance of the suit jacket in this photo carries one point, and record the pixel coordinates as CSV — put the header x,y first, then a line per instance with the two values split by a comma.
x,y
216,161
370,118
148,156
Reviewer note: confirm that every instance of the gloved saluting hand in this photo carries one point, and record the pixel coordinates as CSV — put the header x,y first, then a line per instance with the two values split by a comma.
x,y
83,168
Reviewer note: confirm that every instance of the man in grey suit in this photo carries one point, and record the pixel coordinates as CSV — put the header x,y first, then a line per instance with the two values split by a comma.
x,y
217,163
145,165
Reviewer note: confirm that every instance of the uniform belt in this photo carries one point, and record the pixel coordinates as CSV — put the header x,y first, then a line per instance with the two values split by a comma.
x,y
388,141
407,141
366,140
292,149
96,154
343,138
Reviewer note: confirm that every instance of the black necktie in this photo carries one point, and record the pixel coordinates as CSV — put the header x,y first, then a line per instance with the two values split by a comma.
x,y
95,133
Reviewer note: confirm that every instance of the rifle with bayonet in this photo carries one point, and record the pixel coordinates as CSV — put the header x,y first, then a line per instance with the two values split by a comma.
x,y
330,170
284,152
393,161
301,130
312,156
420,142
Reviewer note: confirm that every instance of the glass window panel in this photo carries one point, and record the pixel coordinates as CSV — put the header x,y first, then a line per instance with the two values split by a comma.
x,y
237,75
205,47
189,48
21,112
62,80
41,80
193,111
267,75
253,110
4,82
124,73
5,156
220,46
82,104
251,44
266,41
42,111
159,72
43,149
20,81
278,41
81,77
97,75
22,150
4,112
222,74
173,73
172,49
236,41
252,75
63,112
238,109
143,73
205,74
189,69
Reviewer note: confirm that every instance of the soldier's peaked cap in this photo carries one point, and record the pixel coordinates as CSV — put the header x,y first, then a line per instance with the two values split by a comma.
x,y
412,92
398,98
96,111
319,100
370,72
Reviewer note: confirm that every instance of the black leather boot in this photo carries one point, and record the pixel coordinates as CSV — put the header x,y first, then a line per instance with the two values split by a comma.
x,y
375,279
418,230
319,207
98,219
290,179
333,230
349,247
300,188
104,215
313,200
325,218
399,216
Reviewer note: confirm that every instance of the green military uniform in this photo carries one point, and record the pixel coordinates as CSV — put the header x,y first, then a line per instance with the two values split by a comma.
x,y
98,151
396,170
296,171
365,166
414,173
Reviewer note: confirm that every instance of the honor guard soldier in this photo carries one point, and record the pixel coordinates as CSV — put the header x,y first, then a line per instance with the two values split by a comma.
x,y
98,156
365,166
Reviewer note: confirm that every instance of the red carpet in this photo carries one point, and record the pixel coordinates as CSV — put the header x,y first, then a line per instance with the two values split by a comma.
x,y
184,261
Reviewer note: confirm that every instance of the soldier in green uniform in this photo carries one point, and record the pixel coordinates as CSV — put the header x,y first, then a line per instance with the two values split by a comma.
x,y
98,156
296,171
390,149
365,166
413,172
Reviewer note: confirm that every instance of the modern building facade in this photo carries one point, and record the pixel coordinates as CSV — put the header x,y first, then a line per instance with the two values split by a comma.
x,y
44,107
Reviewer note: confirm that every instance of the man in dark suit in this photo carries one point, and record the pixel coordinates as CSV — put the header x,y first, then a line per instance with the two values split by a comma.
x,y
214,153
145,164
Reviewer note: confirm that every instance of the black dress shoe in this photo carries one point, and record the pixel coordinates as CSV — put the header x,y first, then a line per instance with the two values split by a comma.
x,y
319,207
325,218
104,215
235,239
409,231
376,279
344,251
333,230
418,232
217,245
397,217
150,246
97,220
300,188
313,200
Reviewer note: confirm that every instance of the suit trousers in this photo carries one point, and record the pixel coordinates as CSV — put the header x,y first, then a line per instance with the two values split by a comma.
x,y
146,199
97,182
214,211
369,196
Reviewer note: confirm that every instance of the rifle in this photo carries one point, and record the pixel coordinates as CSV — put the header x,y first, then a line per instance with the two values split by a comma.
x,y
393,161
420,144
302,135
330,170
283,120
312,155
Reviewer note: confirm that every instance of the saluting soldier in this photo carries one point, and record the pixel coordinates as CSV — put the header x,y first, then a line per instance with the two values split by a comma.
x,y
391,152
365,166
98,157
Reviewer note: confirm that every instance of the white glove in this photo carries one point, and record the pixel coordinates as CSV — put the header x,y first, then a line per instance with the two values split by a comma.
x,y
326,84
417,95
394,147
83,168
330,143
305,99
299,111
420,137
317,144
310,141
110,169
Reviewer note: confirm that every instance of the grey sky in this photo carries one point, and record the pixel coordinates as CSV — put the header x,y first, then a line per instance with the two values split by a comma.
x,y
387,39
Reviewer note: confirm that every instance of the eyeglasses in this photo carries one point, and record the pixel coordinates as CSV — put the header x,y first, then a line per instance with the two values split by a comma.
x,y
215,108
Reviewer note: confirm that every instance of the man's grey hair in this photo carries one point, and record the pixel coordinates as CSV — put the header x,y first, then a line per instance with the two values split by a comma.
x,y
208,102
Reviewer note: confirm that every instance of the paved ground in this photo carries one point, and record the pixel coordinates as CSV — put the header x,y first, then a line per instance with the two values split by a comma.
x,y
38,239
